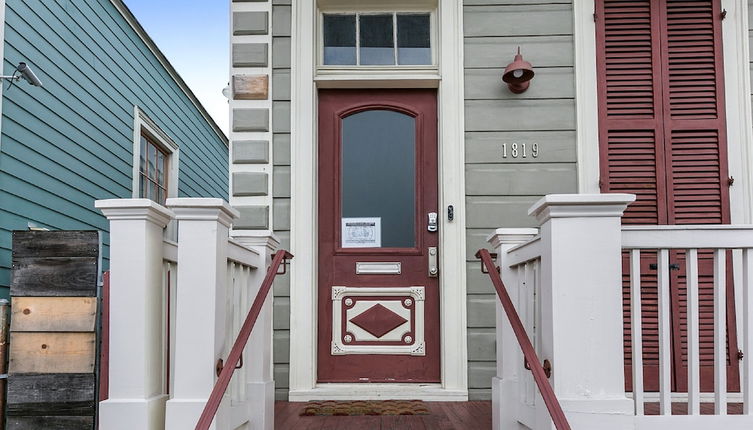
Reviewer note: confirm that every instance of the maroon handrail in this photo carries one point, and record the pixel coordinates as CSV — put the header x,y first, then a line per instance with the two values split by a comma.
x,y
539,374
207,415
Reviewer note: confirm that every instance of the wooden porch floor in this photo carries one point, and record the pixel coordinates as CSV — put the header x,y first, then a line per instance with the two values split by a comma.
x,y
444,416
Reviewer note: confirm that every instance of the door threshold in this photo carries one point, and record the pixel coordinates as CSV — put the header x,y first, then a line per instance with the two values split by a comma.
x,y
373,391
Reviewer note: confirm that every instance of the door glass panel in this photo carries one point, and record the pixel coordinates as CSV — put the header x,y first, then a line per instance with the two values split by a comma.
x,y
378,180
413,39
340,39
376,37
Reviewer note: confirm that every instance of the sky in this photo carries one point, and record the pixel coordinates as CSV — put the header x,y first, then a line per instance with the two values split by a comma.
x,y
193,35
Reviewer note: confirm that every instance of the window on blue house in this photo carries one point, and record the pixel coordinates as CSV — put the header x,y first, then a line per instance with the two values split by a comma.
x,y
155,161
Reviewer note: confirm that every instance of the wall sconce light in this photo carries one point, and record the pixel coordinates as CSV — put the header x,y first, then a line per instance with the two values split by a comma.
x,y
518,74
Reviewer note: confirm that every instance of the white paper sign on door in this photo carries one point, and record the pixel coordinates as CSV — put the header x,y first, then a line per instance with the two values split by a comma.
x,y
362,232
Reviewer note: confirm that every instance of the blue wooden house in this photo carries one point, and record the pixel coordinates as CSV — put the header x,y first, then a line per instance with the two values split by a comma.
x,y
113,119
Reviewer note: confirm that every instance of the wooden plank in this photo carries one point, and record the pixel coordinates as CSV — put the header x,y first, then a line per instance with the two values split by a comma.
x,y
51,353
56,314
51,394
54,276
514,179
528,20
553,146
77,243
50,422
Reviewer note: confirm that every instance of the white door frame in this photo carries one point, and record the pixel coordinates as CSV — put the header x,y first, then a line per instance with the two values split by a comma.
x,y
303,238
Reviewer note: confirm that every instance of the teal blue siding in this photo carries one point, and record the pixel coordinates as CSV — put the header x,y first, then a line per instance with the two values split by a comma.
x,y
70,143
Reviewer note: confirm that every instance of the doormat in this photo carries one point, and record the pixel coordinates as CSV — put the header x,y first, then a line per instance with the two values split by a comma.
x,y
365,407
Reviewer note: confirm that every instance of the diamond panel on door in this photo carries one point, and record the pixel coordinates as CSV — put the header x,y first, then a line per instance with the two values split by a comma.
x,y
377,320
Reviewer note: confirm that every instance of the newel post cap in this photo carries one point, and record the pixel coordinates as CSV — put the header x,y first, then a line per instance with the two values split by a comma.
x,y
135,209
203,209
260,238
511,236
580,206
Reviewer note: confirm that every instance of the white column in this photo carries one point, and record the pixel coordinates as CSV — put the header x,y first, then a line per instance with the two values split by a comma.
x,y
581,322
136,397
260,386
203,226
505,392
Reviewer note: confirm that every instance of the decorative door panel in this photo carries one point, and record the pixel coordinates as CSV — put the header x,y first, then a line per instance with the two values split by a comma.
x,y
378,288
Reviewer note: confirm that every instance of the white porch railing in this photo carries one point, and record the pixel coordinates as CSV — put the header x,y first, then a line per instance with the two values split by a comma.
x,y
167,332
565,279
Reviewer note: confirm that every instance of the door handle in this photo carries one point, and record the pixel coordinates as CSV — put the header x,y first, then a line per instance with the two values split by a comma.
x,y
432,225
433,267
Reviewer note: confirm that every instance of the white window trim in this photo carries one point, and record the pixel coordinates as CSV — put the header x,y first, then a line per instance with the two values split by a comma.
x,y
735,42
303,300
142,122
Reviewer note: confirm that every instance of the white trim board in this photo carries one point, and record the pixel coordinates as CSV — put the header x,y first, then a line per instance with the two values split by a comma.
x,y
303,319
142,121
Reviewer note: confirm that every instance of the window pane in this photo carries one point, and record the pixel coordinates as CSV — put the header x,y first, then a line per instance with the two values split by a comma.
x,y
378,176
142,152
160,168
339,39
152,161
377,43
142,186
413,39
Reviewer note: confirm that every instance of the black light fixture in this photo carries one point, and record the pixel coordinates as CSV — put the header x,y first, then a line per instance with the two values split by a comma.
x,y
518,74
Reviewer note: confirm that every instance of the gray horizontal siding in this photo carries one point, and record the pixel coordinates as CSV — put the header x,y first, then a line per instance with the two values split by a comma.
x,y
500,190
70,143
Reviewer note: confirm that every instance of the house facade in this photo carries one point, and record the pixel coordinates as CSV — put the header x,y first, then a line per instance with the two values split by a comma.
x,y
378,141
113,119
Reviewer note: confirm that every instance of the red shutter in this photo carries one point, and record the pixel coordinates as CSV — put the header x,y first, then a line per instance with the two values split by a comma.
x,y
663,137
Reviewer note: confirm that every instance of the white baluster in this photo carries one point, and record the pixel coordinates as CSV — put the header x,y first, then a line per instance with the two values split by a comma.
x,y
636,329
720,332
747,307
694,351
665,331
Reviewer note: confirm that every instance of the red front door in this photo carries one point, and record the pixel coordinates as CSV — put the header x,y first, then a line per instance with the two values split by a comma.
x,y
378,291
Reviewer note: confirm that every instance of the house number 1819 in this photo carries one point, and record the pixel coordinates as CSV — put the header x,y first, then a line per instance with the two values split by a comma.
x,y
520,150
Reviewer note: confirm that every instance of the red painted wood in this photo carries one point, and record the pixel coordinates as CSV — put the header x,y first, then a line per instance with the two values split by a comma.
x,y
663,137
529,353
104,352
207,415
337,265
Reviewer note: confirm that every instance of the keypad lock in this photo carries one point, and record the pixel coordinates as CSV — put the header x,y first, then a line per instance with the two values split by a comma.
x,y
432,225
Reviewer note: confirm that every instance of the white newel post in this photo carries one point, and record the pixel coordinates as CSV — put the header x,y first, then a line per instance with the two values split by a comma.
x,y
203,231
260,386
581,308
136,398
505,392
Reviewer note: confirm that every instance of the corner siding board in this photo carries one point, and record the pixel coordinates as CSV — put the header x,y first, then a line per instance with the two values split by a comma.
x,y
249,54
281,346
281,181
281,211
281,114
249,23
281,20
281,149
281,52
250,184
281,84
281,313
481,344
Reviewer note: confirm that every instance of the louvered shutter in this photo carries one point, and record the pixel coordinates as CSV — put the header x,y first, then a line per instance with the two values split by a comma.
x,y
662,137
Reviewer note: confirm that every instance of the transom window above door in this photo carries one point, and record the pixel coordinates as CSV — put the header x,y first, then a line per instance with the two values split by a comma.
x,y
377,39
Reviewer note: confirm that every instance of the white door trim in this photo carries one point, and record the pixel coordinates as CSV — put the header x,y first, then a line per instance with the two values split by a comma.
x,y
303,237
735,42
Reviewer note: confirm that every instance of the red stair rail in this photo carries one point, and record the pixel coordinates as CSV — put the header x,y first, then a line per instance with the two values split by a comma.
x,y
207,415
539,374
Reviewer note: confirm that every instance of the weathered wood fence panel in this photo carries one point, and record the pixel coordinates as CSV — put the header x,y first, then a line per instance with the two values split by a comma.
x,y
53,339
